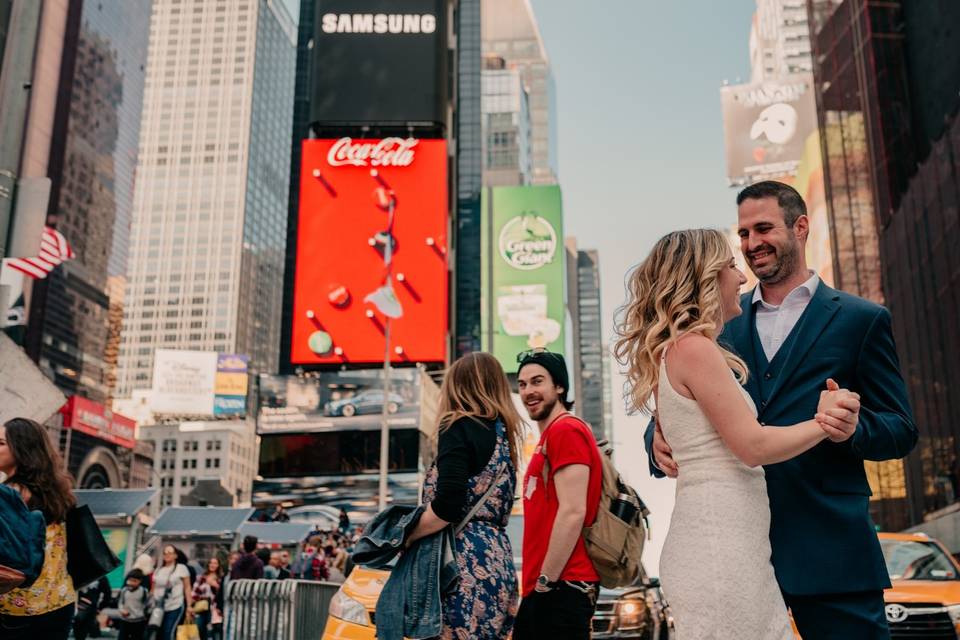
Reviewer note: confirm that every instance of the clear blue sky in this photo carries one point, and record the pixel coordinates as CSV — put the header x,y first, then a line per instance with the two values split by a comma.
x,y
641,149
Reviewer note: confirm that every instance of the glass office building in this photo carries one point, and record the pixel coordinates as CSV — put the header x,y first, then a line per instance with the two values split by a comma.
x,y
209,225
888,102
91,161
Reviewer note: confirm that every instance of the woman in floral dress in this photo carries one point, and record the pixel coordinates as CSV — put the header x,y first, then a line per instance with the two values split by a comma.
x,y
480,437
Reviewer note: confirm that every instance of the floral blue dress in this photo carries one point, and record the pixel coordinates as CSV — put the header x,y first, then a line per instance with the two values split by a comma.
x,y
484,604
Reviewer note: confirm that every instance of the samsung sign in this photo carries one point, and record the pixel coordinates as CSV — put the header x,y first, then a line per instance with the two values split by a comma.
x,y
379,23
380,62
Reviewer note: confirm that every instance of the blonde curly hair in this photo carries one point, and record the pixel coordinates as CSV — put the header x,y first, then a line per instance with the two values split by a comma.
x,y
675,291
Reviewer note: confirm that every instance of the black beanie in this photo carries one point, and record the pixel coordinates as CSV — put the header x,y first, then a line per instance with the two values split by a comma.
x,y
555,365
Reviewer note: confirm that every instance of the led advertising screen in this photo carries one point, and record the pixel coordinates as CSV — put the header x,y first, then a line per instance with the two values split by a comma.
x,y
766,126
379,61
356,196
522,271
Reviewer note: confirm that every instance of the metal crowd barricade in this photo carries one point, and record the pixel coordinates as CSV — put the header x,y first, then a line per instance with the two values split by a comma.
x,y
276,609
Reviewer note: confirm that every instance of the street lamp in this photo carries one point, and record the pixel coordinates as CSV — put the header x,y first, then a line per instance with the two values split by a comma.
x,y
385,193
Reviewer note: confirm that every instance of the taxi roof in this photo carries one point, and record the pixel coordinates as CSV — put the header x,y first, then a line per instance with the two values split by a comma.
x,y
905,537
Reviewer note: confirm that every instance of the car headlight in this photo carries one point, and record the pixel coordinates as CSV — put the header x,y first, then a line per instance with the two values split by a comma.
x,y
631,613
347,609
954,613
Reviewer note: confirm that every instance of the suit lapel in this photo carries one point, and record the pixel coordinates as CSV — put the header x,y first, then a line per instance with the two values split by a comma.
x,y
818,314
738,335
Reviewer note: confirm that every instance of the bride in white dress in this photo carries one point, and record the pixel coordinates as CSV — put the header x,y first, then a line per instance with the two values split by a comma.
x,y
715,565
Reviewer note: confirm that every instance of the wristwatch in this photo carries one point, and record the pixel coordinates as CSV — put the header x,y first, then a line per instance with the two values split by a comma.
x,y
544,584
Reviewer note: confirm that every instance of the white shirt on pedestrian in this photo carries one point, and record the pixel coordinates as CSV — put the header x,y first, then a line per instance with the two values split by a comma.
x,y
170,578
775,322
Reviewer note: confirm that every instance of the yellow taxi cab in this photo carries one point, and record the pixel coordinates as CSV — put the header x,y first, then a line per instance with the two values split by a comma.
x,y
924,601
351,615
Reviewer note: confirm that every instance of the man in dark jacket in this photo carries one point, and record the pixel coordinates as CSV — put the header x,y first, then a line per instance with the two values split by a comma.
x,y
248,566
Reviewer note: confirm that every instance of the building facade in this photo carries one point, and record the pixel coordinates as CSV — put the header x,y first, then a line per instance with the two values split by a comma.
x,y
505,109
779,40
888,102
187,452
469,178
510,31
588,362
90,64
209,224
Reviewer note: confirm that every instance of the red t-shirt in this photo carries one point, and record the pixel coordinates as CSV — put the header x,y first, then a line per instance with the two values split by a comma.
x,y
568,441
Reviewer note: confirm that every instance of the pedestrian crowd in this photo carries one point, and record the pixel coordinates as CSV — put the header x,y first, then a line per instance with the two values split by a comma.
x,y
38,594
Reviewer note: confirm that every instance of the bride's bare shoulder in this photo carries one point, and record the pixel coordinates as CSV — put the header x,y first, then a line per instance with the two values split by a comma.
x,y
693,348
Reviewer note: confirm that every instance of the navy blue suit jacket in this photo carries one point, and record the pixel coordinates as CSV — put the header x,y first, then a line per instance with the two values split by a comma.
x,y
821,532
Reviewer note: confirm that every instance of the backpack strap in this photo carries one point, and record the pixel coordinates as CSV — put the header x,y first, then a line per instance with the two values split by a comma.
x,y
543,447
473,511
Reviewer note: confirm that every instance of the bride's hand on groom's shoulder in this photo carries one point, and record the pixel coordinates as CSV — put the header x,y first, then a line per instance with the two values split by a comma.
x,y
838,412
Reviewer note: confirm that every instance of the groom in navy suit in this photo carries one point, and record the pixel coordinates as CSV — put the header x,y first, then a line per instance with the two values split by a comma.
x,y
795,332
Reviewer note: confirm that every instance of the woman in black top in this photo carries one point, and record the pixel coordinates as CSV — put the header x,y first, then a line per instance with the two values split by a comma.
x,y
479,444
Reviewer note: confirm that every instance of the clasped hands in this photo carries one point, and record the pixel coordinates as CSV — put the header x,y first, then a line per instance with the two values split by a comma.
x,y
838,413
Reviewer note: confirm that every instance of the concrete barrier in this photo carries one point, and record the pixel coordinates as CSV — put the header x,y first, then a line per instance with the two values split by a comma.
x,y
276,609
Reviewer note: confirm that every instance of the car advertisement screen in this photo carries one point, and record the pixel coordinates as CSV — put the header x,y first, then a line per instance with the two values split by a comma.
x,y
356,196
522,271
338,401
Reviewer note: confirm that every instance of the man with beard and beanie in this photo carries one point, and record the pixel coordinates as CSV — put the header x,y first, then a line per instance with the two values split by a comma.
x,y
795,333
561,495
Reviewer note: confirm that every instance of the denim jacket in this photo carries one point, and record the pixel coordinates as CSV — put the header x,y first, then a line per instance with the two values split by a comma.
x,y
409,605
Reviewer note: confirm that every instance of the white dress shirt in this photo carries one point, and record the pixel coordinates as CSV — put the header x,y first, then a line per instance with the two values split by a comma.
x,y
775,322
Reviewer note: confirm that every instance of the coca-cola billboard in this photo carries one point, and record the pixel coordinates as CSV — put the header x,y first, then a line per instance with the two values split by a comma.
x,y
356,197
379,62
389,152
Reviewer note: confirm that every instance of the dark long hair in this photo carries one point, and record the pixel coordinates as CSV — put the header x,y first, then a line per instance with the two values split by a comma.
x,y
40,469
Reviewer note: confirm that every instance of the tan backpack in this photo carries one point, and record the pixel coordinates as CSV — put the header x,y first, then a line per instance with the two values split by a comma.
x,y
615,540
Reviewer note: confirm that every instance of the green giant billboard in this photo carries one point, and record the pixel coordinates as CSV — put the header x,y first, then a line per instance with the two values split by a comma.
x,y
522,271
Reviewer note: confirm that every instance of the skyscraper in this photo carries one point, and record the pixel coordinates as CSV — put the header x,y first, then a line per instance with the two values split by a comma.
x,y
209,224
588,363
506,126
469,178
779,40
510,31
90,156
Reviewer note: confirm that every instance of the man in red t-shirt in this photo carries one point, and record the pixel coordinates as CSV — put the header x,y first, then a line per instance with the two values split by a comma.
x,y
561,495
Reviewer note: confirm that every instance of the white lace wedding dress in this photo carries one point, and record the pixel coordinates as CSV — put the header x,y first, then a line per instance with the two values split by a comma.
x,y
715,565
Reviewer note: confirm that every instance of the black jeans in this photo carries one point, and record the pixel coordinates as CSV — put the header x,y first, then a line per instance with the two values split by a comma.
x,y
49,626
132,630
84,623
563,613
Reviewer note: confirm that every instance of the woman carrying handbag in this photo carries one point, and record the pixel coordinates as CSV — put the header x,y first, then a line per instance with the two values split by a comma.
x,y
173,595
34,468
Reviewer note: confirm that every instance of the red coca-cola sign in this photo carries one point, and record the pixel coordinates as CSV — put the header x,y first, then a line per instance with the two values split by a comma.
x,y
389,152
94,419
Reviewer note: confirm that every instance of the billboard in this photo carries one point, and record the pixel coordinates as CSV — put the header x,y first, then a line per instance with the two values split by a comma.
x,y
230,384
94,419
379,61
202,383
522,271
338,401
766,126
345,221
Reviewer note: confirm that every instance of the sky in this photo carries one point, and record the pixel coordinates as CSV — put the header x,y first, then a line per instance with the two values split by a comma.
x,y
640,141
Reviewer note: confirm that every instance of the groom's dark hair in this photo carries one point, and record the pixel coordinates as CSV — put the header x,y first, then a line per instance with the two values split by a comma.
x,y
790,201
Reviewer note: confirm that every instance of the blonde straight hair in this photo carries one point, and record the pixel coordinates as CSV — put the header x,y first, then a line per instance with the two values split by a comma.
x,y
476,387
675,291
